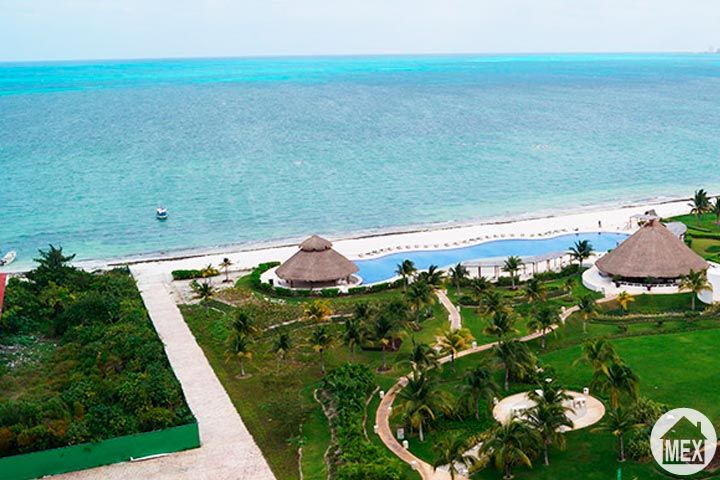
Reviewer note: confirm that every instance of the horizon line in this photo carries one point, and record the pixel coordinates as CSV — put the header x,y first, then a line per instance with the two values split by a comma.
x,y
357,55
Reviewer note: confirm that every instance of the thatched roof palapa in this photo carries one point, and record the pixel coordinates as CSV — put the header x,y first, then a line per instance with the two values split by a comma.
x,y
652,251
316,262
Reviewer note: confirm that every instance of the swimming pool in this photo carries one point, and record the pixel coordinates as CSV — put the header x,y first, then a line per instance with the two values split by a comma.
x,y
383,268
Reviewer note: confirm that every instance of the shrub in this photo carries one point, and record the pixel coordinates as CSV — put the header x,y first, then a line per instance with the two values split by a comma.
x,y
109,373
467,300
359,459
186,274
330,292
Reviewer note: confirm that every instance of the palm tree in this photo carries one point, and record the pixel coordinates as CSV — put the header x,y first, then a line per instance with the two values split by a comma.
x,y
715,209
543,321
432,276
581,251
512,266
501,324
569,284
480,286
317,311
517,360
696,282
353,335
320,340
510,444
588,309
421,356
619,379
535,290
421,401
281,347
225,265
203,291
454,341
699,204
208,271
549,416
419,296
458,273
363,312
406,270
244,324
384,330
452,451
478,384
599,354
619,421
624,299
239,346
494,302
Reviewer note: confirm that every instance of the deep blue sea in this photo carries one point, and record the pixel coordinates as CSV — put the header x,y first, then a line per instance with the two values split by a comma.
x,y
248,150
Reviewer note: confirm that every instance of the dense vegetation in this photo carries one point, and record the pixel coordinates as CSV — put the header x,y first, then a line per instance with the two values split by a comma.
x,y
355,457
80,361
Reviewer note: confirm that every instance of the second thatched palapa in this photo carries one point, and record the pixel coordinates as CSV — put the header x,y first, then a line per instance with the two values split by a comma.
x,y
651,252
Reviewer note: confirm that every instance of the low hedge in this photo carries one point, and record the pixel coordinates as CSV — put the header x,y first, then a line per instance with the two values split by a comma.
x,y
190,274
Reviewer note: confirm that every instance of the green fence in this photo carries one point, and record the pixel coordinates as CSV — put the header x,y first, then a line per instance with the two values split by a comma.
x,y
88,455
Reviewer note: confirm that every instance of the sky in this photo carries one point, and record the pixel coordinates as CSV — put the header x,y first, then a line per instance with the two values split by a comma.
x,y
105,29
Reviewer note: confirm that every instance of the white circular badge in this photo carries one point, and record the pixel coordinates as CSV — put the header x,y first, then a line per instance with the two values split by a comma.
x,y
683,441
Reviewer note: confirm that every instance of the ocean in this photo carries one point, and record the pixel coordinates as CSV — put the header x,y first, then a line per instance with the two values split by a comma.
x,y
243,151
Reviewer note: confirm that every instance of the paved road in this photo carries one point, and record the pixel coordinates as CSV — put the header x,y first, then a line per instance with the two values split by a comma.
x,y
228,450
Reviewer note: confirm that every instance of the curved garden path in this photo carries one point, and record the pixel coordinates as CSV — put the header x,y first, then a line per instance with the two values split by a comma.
x,y
382,416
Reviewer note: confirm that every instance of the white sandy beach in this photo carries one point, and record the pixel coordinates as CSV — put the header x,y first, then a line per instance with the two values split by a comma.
x,y
612,220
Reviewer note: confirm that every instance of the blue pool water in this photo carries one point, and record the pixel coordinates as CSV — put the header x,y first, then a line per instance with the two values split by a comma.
x,y
383,268
243,151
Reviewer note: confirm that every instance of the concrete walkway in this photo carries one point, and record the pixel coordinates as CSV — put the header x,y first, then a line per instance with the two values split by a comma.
x,y
453,313
228,450
384,411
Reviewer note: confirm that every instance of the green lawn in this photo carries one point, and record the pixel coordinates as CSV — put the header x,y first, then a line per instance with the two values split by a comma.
x,y
708,248
276,400
678,369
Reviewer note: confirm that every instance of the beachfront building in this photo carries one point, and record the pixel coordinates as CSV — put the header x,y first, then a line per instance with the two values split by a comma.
x,y
316,265
653,259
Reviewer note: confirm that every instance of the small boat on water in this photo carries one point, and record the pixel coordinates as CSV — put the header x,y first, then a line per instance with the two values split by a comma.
x,y
8,258
161,213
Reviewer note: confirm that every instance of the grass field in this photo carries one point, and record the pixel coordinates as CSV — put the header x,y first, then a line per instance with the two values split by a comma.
x,y
277,398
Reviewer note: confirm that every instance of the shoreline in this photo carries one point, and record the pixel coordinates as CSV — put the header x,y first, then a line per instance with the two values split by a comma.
x,y
362,245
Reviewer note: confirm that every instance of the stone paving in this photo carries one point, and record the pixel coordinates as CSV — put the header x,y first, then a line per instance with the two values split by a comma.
x,y
228,450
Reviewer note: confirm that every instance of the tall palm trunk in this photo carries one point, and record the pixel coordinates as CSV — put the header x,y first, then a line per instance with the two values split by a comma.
x,y
507,378
692,300
384,356
421,433
322,361
544,335
621,444
242,368
477,408
546,457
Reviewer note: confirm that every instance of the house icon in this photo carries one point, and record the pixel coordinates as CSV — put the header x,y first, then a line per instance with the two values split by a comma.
x,y
684,443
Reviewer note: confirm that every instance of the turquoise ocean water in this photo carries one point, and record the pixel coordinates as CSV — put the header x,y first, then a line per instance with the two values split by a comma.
x,y
249,150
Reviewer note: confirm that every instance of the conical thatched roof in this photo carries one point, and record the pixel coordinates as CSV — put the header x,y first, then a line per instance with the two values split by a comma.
x,y
653,251
316,262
